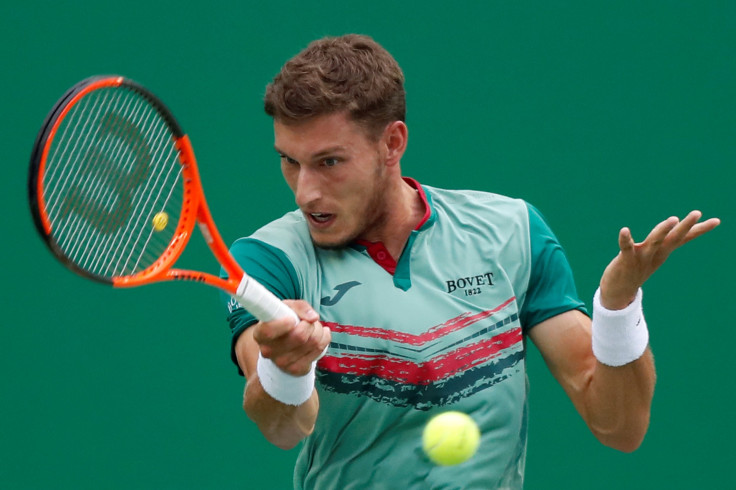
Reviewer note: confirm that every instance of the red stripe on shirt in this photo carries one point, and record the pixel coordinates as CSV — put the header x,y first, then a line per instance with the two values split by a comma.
x,y
452,325
441,367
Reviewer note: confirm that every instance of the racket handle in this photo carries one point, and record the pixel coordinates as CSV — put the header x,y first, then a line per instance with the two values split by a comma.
x,y
260,302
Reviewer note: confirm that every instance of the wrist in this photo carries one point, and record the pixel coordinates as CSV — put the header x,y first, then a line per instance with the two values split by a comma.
x,y
282,386
619,336
614,299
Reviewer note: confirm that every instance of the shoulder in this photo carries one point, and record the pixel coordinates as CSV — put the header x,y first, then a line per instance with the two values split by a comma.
x,y
480,207
291,226
467,195
288,239
465,198
285,240
289,234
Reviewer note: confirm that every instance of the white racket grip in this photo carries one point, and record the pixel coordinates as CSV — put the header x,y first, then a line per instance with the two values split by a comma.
x,y
260,302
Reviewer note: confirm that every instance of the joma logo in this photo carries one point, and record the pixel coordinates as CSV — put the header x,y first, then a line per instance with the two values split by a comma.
x,y
470,282
341,290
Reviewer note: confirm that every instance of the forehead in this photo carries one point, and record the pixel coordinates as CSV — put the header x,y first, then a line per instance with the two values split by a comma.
x,y
312,135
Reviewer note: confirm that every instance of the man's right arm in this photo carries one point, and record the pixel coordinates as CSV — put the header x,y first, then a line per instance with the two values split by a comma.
x,y
292,350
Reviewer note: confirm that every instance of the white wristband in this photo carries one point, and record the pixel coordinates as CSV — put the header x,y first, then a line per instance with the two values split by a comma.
x,y
288,389
619,336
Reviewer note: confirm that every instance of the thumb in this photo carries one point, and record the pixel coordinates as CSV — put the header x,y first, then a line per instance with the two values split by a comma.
x,y
625,240
304,311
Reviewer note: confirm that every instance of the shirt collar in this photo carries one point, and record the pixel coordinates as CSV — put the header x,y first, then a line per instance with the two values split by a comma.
x,y
429,214
378,251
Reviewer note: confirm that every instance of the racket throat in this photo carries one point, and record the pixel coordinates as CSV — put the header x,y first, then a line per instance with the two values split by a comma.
x,y
206,233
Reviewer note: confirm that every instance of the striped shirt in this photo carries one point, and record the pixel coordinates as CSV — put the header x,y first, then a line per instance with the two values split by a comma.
x,y
441,328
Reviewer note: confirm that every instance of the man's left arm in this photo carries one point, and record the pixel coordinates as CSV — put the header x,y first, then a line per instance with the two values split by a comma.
x,y
614,402
613,388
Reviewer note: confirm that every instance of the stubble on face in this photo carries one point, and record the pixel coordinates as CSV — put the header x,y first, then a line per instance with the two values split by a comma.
x,y
339,177
368,217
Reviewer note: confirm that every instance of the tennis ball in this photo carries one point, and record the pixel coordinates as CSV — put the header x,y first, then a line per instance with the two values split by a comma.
x,y
160,220
450,438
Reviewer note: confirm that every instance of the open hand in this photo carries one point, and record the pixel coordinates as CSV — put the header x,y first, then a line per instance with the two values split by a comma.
x,y
636,262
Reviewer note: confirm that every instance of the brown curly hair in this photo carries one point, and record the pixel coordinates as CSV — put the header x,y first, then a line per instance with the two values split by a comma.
x,y
347,73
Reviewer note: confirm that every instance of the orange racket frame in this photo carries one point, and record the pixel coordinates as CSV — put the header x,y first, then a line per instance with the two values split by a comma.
x,y
194,211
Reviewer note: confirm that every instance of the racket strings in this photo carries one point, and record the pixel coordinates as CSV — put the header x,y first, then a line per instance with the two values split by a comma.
x,y
112,167
130,238
146,255
72,134
111,254
82,236
84,239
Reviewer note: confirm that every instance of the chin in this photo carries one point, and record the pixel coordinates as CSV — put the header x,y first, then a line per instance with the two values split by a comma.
x,y
331,243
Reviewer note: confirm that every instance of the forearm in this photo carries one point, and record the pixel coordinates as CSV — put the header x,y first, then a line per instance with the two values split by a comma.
x,y
622,386
613,401
282,425
617,402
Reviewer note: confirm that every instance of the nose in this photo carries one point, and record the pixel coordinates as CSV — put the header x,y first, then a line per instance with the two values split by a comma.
x,y
307,189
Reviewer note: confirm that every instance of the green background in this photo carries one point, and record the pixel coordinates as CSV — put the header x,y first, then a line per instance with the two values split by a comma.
x,y
602,114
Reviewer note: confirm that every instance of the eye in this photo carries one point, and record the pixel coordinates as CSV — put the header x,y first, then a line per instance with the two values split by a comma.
x,y
288,159
330,162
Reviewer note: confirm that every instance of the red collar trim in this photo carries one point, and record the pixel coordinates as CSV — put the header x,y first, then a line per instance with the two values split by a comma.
x,y
423,196
378,251
380,255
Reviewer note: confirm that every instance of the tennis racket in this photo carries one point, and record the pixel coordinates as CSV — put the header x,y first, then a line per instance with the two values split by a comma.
x,y
115,193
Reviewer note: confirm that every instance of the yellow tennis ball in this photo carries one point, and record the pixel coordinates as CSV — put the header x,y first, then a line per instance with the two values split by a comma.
x,y
450,438
160,220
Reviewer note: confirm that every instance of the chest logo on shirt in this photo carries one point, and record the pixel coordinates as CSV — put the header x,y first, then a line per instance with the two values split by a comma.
x,y
341,290
470,285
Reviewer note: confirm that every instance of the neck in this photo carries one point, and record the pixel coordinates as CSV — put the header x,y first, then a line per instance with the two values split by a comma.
x,y
403,210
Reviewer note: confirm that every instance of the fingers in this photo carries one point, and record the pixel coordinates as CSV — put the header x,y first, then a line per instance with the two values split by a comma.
x,y
630,269
270,331
674,232
660,232
300,358
701,228
303,310
305,345
688,229
663,239
293,347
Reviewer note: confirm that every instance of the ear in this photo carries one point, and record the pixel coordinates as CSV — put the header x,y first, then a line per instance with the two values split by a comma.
x,y
395,139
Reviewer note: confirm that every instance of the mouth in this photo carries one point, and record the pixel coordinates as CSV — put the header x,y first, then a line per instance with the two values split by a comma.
x,y
320,219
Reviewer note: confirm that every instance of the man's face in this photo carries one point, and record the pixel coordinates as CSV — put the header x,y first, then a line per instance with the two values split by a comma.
x,y
336,174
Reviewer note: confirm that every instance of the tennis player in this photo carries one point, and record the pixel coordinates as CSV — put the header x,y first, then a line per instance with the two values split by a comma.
x,y
415,300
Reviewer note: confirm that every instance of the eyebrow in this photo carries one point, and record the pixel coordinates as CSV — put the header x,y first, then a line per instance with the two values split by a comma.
x,y
320,154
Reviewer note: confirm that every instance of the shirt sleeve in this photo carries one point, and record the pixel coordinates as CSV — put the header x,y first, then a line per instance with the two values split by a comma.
x,y
270,267
551,289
